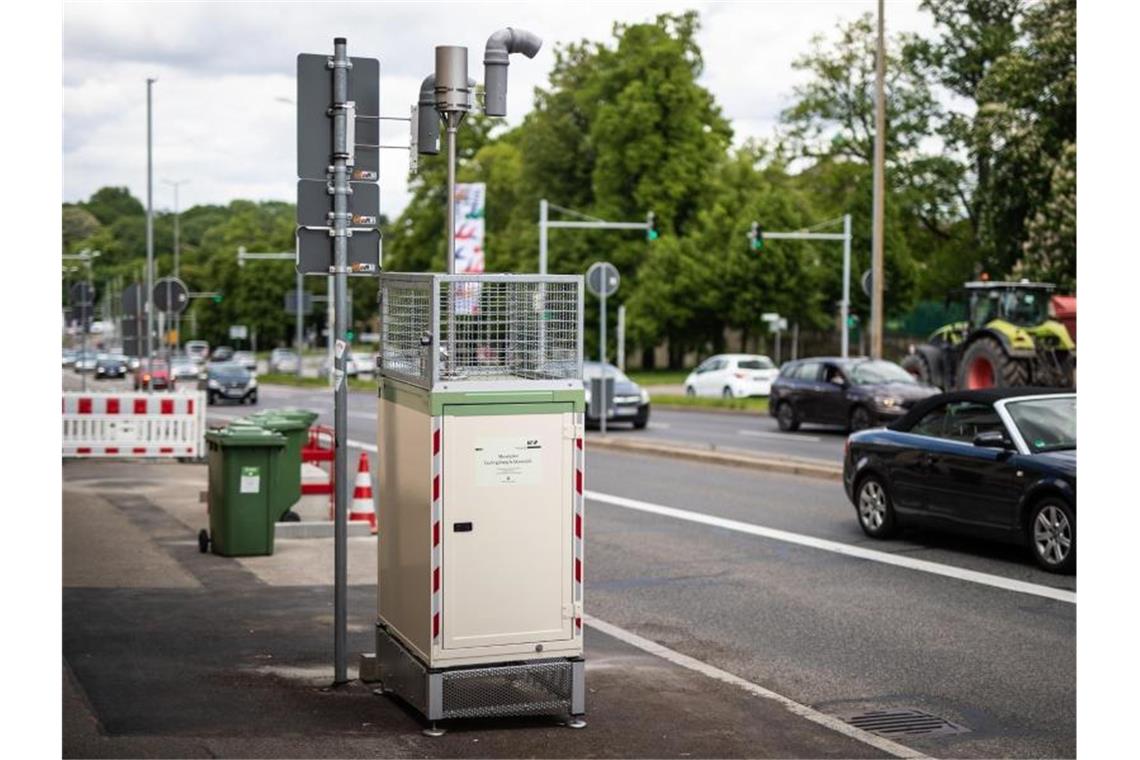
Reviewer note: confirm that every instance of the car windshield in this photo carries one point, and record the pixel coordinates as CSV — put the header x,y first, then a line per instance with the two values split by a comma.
x,y
229,372
760,362
875,372
594,369
1046,424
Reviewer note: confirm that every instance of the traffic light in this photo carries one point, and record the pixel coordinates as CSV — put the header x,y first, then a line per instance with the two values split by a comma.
x,y
349,335
852,321
651,232
216,298
756,237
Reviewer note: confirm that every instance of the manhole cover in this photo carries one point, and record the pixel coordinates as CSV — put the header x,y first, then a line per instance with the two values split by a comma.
x,y
904,722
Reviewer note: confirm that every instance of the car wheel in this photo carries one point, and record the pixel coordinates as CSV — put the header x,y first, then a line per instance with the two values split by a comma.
x,y
876,515
212,399
726,393
252,398
786,417
861,419
641,420
1053,535
690,391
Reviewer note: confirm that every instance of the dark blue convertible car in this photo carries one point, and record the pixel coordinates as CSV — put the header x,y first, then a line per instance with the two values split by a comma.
x,y
999,463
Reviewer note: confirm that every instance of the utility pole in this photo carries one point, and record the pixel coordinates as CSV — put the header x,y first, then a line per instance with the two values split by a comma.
x,y
177,248
149,227
877,223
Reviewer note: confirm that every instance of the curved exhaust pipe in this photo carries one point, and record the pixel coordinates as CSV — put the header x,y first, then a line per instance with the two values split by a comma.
x,y
496,59
428,136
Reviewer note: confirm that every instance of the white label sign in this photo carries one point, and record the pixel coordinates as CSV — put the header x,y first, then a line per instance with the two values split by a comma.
x,y
507,461
250,480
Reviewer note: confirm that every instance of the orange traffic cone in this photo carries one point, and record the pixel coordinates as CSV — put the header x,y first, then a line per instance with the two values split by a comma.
x,y
362,506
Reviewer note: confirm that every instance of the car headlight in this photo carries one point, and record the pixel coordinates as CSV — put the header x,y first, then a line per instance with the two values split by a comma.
x,y
252,382
888,402
644,396
212,384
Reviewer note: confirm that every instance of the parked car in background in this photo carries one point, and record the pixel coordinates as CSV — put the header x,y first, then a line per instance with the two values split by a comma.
x,y
69,355
732,376
110,366
999,463
284,360
246,359
197,350
630,402
153,375
222,354
184,368
852,393
85,361
230,381
133,363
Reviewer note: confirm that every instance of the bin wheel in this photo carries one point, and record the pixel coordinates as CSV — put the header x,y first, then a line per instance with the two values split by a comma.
x,y
290,516
203,541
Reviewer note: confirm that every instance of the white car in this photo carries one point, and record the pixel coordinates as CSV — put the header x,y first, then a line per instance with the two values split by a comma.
x,y
732,376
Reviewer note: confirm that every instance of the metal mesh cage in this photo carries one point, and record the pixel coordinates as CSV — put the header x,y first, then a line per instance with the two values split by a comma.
x,y
528,689
487,328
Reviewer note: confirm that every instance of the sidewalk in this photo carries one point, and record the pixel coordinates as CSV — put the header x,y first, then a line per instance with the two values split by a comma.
x,y
173,653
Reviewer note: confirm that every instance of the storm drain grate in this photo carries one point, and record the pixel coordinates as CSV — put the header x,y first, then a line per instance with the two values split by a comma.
x,y
904,722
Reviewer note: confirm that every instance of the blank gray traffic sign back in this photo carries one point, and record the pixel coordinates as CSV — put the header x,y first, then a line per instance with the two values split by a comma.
x,y
315,251
315,203
315,126
602,278
82,294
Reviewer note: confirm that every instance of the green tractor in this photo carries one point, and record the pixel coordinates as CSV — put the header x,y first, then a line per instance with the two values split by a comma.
x,y
1009,340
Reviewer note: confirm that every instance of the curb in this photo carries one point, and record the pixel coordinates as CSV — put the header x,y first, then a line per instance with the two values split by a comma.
x,y
768,464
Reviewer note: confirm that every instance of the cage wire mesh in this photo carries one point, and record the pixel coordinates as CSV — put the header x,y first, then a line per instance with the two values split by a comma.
x,y
481,327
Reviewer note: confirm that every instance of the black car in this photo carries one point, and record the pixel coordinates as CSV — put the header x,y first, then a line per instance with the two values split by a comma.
x,y
222,354
630,402
999,463
231,382
852,393
110,366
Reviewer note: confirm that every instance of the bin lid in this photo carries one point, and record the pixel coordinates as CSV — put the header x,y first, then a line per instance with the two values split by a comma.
x,y
292,411
273,420
245,435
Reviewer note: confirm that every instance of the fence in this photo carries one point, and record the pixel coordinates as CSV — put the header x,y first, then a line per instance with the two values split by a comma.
x,y
134,424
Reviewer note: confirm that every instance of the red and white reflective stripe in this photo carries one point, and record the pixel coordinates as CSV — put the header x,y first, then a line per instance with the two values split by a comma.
x,y
121,451
436,527
129,404
579,486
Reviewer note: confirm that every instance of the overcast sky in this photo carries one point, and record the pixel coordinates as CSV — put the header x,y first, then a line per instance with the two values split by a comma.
x,y
223,105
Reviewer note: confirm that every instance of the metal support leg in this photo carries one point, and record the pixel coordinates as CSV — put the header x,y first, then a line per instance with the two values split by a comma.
x,y
434,730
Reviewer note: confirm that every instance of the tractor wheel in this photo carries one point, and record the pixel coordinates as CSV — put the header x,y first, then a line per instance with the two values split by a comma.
x,y
986,365
917,366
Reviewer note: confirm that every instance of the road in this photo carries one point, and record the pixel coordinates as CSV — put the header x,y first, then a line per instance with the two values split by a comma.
x,y
753,573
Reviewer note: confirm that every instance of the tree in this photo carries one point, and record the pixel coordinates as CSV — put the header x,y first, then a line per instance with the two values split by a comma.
x,y
109,204
1050,250
78,225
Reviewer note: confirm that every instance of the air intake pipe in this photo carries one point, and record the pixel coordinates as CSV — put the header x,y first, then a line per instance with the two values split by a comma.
x,y
428,136
496,59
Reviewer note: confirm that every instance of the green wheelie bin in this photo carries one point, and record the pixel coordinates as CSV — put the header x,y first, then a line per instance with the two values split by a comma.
x,y
242,460
294,425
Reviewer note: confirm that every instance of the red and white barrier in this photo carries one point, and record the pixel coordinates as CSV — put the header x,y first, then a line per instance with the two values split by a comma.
x,y
134,424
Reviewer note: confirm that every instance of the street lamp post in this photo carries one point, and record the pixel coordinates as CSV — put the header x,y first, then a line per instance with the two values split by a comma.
x,y
177,246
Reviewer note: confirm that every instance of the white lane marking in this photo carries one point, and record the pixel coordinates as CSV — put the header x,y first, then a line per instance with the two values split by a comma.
x,y
886,558
685,661
362,445
781,436
659,426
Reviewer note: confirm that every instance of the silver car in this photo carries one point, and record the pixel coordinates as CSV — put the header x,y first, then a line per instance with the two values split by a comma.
x,y
284,360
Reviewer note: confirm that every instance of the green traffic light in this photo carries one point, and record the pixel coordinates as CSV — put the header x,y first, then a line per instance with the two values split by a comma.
x,y
651,234
217,298
350,335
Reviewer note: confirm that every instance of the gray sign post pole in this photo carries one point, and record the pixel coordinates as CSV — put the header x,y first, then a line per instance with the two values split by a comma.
x,y
602,280
299,338
604,407
341,154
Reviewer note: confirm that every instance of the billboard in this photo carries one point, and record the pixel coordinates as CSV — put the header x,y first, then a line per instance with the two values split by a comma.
x,y
470,227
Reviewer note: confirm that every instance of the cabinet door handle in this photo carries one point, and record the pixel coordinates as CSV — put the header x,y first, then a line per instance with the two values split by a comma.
x,y
462,527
